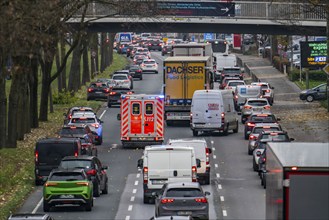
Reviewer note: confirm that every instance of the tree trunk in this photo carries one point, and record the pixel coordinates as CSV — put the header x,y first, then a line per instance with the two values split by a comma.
x,y
93,42
107,53
23,111
3,102
33,82
103,52
74,77
51,104
63,74
45,89
85,73
58,64
112,37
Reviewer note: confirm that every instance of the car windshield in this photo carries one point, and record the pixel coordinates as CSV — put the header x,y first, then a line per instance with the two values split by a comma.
x,y
257,102
70,164
67,176
71,130
258,130
269,118
83,120
149,62
134,68
121,77
184,192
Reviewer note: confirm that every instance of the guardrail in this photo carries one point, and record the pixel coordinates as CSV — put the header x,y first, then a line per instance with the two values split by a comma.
x,y
243,10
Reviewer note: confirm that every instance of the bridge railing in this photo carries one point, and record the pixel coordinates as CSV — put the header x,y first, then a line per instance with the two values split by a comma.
x,y
243,10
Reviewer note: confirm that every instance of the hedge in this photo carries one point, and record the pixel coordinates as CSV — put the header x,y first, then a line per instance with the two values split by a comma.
x,y
317,75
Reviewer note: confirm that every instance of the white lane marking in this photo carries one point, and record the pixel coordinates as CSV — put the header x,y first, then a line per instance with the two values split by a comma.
x,y
138,175
127,217
136,182
212,142
222,198
100,117
213,149
224,213
219,186
37,207
130,207
134,191
217,175
216,165
132,199
214,156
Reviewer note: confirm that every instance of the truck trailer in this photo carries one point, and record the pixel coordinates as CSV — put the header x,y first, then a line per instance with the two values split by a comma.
x,y
297,181
181,77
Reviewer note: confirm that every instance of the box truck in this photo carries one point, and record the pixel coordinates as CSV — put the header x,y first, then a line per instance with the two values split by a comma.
x,y
181,77
297,181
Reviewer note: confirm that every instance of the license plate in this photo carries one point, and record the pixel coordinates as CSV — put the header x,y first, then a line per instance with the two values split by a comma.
x,y
98,92
67,196
257,109
184,213
148,66
158,182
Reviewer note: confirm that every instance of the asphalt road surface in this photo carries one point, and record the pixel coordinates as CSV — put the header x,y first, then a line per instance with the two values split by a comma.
x,y
235,189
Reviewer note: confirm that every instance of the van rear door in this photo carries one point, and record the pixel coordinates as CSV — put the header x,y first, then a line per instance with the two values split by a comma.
x,y
180,165
158,168
206,111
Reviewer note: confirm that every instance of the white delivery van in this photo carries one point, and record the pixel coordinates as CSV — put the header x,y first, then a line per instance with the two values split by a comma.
x,y
213,110
243,92
165,164
202,152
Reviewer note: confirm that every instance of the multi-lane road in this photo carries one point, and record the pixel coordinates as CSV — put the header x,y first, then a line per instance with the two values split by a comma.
x,y
235,189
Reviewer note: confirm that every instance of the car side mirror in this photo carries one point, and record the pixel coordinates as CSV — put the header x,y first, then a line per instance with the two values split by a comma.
x,y
291,139
140,163
104,167
258,153
119,117
239,113
278,119
209,150
198,163
206,193
272,87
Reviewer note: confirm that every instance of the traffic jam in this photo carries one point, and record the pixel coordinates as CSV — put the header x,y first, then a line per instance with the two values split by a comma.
x,y
203,88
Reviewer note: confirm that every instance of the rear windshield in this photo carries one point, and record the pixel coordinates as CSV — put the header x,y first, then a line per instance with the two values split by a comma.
x,y
269,118
275,137
231,71
184,192
257,102
119,77
264,87
72,130
98,85
120,89
260,129
134,68
52,153
235,83
67,176
70,164
149,62
143,50
79,110
83,120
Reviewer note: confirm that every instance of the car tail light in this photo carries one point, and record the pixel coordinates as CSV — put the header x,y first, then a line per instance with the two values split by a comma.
x,y
50,184
223,117
252,137
264,159
129,93
76,153
201,200
90,90
165,201
267,90
229,87
145,174
126,81
142,64
236,97
83,184
36,156
113,93
191,116
91,172
267,107
138,71
194,170
106,90
247,107
95,125
250,124
70,116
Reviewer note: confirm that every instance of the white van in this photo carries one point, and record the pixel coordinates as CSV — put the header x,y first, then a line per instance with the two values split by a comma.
x,y
165,164
145,36
213,110
202,152
243,92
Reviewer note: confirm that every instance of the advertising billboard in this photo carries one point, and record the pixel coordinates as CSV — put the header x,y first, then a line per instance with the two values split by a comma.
x,y
313,54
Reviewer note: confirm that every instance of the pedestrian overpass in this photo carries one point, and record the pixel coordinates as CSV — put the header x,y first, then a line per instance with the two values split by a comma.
x,y
246,17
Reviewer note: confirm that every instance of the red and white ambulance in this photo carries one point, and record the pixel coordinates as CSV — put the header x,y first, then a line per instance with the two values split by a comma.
x,y
142,120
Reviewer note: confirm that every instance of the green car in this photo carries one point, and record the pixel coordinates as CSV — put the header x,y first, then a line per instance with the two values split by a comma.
x,y
68,187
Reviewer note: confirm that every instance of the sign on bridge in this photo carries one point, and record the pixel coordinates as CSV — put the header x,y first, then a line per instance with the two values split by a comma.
x,y
213,9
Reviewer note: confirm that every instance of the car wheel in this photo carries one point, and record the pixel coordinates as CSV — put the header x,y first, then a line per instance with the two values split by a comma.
x,y
195,133
46,206
109,105
38,182
254,165
236,130
169,123
249,151
94,152
89,205
207,180
105,190
225,132
243,120
309,98
246,136
97,190
141,78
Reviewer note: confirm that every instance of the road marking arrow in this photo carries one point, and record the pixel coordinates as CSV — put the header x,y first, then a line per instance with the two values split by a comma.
x,y
224,9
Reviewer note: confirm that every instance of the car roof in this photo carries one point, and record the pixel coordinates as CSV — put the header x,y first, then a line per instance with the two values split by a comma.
x,y
256,99
83,114
262,114
57,140
199,140
183,185
121,74
80,157
267,125
28,216
149,60
80,107
73,170
277,132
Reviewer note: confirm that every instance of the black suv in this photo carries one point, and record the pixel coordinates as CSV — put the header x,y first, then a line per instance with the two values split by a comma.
x,y
258,118
49,153
93,168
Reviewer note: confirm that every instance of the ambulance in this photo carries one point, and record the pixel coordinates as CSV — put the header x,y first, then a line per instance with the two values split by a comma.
x,y
142,120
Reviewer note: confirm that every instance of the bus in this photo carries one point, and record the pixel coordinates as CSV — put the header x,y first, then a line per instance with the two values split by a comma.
x,y
219,46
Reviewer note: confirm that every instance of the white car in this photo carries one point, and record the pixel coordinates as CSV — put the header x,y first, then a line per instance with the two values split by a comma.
x,y
121,80
267,91
231,84
149,65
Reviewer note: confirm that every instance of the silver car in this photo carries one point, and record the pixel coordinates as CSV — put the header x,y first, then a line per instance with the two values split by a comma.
x,y
254,105
267,91
183,199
